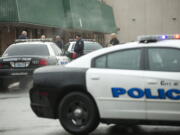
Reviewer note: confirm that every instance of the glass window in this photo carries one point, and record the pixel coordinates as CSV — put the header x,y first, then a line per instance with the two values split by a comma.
x,y
127,59
100,62
27,49
164,59
66,47
73,46
56,49
92,46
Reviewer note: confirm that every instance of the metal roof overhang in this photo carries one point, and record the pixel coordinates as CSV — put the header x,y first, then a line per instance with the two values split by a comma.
x,y
89,15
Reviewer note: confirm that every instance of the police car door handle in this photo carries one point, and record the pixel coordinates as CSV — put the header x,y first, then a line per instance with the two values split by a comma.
x,y
95,78
152,82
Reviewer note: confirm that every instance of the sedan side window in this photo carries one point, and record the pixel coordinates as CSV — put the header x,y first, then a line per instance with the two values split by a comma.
x,y
56,49
126,59
164,59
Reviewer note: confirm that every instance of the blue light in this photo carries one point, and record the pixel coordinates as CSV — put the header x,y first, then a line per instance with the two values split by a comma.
x,y
164,37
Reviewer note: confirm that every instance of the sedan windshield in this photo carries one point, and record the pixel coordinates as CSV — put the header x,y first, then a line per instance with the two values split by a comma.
x,y
27,49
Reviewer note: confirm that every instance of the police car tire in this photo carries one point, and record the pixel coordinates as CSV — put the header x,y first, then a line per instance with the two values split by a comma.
x,y
66,110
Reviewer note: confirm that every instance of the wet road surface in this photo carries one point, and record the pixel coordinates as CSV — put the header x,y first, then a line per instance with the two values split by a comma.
x,y
17,118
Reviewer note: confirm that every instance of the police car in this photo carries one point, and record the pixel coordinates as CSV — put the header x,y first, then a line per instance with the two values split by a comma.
x,y
21,58
89,46
134,83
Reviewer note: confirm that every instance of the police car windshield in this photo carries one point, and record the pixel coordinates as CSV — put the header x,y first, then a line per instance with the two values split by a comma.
x,y
27,49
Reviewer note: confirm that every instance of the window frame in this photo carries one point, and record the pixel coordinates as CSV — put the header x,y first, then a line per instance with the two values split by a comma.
x,y
142,58
147,62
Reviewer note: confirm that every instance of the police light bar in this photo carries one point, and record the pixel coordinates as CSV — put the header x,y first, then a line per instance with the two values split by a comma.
x,y
155,38
34,40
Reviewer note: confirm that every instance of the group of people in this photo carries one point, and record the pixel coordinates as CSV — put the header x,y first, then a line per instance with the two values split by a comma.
x,y
79,46
58,39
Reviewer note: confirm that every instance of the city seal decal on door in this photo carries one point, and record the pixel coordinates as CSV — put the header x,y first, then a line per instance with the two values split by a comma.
x,y
173,94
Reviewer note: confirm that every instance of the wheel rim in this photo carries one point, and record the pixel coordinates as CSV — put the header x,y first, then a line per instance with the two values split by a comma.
x,y
77,114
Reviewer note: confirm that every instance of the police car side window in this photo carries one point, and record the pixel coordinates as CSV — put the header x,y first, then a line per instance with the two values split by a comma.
x,y
164,59
126,59
100,62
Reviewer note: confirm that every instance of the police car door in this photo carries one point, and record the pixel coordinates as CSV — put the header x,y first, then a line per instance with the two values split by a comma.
x,y
162,83
116,83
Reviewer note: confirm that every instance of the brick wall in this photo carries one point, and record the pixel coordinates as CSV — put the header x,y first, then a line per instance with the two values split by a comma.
x,y
7,37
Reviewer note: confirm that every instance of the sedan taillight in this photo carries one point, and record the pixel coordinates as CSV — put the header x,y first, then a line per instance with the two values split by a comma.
x,y
43,62
40,62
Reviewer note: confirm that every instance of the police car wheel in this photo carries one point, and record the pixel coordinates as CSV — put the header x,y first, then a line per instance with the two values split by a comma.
x,y
78,113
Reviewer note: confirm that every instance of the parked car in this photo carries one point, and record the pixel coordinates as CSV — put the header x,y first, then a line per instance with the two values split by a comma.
x,y
89,46
133,83
20,60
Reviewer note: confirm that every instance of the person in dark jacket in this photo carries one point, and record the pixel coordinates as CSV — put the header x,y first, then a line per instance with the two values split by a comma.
x,y
114,40
23,35
79,46
59,42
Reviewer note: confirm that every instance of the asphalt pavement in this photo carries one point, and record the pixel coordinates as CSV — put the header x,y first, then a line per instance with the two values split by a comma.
x,y
17,118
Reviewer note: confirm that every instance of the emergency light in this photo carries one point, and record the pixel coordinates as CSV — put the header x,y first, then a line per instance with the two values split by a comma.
x,y
34,40
155,38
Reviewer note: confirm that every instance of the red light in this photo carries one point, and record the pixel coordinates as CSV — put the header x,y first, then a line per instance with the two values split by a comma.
x,y
43,62
177,36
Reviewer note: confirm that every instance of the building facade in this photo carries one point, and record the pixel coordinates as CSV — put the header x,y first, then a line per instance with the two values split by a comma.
x,y
139,17
91,18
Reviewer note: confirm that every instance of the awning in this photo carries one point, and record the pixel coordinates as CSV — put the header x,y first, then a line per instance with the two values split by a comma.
x,y
90,15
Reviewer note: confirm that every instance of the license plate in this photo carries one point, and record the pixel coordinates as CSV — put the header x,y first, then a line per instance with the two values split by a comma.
x,y
63,62
20,64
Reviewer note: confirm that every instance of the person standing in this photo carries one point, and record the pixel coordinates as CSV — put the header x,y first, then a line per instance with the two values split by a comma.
x,y
23,35
43,37
79,46
114,40
59,42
